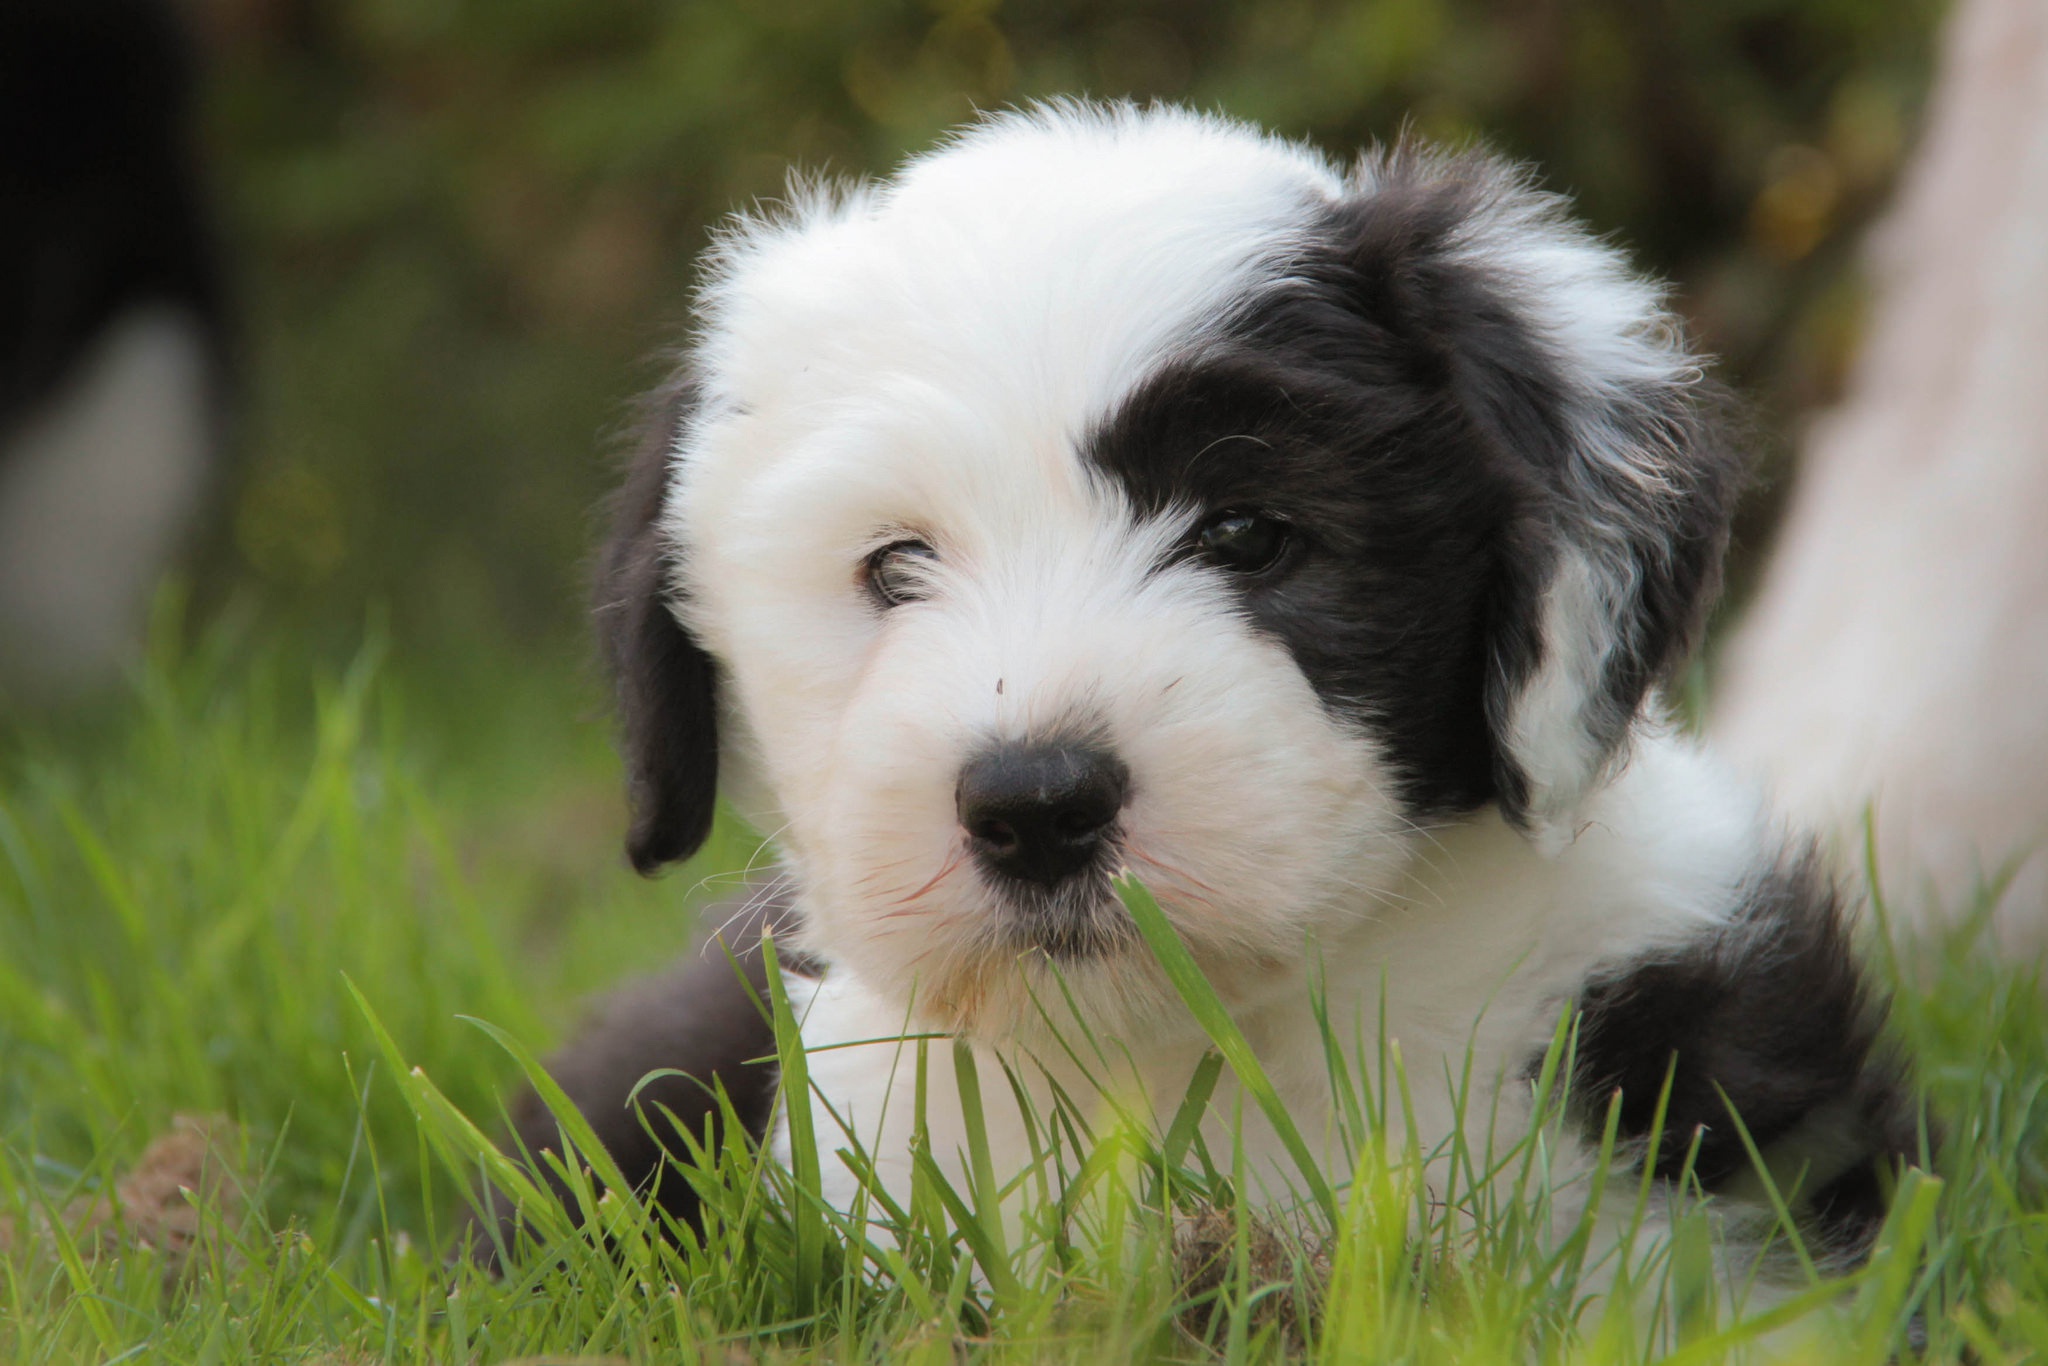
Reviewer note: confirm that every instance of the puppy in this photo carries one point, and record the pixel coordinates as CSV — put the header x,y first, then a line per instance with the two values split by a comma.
x,y
1126,489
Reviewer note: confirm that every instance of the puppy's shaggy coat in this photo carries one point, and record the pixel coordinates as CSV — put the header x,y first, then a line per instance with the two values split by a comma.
x,y
1128,489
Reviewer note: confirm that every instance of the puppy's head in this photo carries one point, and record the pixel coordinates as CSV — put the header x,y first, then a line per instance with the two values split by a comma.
x,y
1118,488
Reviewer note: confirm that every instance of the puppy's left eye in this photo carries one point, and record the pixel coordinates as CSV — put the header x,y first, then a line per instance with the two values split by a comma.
x,y
1243,542
896,573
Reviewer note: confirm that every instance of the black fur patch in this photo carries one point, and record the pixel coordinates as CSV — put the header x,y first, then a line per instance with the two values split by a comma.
x,y
1769,1014
1390,399
666,686
698,1019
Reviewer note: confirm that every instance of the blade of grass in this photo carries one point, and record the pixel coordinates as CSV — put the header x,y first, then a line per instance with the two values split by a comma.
x,y
1202,1002
807,1216
461,1146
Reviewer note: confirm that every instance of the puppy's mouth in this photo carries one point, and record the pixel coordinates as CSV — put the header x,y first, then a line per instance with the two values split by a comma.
x,y
1077,919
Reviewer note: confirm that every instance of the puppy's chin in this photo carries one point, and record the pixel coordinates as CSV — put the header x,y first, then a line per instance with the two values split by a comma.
x,y
1057,966
1075,922
1017,965
1100,985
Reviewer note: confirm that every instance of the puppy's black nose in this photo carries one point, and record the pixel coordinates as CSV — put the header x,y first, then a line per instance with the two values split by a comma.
x,y
1039,812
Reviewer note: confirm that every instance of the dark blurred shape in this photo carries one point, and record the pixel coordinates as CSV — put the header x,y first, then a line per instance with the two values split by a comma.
x,y
1897,652
112,329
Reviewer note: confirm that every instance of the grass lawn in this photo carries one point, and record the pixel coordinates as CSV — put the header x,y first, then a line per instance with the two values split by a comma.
x,y
251,913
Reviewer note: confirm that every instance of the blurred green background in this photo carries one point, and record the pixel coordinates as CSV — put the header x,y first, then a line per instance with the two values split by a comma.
x,y
461,231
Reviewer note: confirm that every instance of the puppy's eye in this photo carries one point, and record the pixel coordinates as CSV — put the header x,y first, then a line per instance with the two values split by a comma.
x,y
1243,542
896,573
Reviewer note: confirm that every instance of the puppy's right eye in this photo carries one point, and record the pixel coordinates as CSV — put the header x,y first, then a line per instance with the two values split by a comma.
x,y
896,573
1243,542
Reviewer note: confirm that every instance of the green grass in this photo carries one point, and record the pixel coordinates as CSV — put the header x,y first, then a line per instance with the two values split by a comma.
x,y
292,897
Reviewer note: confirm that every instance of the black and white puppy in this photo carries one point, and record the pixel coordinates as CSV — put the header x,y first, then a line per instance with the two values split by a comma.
x,y
1119,488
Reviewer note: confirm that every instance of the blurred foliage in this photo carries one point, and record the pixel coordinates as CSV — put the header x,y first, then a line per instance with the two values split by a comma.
x,y
462,227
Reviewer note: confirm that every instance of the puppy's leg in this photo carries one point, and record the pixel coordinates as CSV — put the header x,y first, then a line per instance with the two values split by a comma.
x,y
700,1018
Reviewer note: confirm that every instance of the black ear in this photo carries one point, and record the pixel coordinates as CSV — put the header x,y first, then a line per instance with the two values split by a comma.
x,y
664,682
1597,422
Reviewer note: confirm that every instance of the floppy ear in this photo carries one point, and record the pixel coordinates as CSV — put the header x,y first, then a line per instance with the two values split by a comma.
x,y
664,683
1599,422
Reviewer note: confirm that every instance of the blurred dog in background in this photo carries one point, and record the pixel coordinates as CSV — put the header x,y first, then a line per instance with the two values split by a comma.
x,y
113,329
